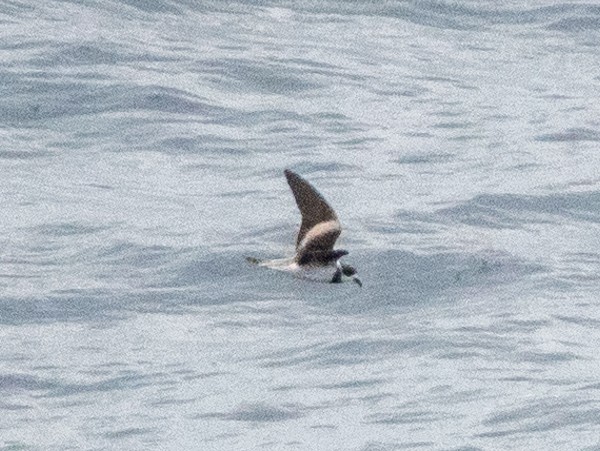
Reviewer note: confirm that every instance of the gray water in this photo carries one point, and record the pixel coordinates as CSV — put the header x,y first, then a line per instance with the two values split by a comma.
x,y
142,145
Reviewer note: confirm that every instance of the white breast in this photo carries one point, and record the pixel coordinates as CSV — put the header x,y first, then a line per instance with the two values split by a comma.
x,y
317,274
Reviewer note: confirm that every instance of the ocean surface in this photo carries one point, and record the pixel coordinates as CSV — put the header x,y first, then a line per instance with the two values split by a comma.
x,y
142,148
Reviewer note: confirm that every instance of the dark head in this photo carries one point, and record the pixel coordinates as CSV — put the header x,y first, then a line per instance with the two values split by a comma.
x,y
350,271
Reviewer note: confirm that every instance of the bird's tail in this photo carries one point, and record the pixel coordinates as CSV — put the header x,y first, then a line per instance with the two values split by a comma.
x,y
253,261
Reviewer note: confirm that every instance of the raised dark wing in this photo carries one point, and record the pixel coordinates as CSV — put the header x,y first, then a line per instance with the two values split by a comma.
x,y
320,227
321,238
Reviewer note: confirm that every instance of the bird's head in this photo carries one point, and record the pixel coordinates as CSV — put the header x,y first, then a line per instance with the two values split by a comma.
x,y
350,272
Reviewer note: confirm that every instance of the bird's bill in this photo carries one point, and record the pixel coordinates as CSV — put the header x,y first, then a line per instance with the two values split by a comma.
x,y
357,281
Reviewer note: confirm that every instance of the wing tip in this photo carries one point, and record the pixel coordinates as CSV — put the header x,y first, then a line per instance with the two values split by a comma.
x,y
295,181
289,173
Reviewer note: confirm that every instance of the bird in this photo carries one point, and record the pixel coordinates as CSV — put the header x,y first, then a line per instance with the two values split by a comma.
x,y
315,258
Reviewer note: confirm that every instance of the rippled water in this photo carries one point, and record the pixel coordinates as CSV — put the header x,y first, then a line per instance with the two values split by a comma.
x,y
142,145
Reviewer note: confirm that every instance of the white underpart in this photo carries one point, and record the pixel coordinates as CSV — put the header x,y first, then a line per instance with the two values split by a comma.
x,y
314,273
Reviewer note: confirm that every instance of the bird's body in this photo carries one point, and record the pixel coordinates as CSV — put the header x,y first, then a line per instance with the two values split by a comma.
x,y
315,273
315,257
